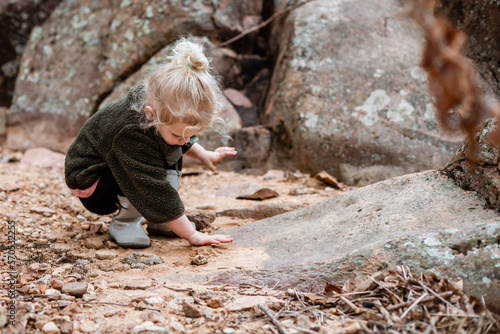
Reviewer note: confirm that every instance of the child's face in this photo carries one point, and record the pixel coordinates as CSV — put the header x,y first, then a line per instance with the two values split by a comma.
x,y
176,133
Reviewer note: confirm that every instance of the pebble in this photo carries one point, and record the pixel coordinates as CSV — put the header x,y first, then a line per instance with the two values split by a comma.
x,y
149,328
52,292
50,328
154,317
67,327
56,284
64,303
228,330
199,260
89,297
214,303
190,310
104,254
137,286
93,243
39,266
87,327
154,300
76,289
137,258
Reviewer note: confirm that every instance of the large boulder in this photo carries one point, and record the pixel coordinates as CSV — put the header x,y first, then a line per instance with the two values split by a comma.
x,y
422,220
17,19
85,49
348,95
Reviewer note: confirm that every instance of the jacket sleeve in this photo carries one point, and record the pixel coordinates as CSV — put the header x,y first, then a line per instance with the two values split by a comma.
x,y
138,167
189,144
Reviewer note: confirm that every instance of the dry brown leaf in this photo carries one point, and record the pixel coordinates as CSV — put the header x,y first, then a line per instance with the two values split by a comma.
x,y
328,179
456,95
330,289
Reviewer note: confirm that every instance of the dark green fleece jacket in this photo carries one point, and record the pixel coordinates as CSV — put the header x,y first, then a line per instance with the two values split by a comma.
x,y
114,139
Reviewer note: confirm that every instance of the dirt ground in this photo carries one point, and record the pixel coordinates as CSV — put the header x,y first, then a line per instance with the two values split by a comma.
x,y
62,274
58,242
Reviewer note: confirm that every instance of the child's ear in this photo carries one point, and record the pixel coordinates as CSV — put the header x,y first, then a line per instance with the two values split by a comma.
x,y
150,113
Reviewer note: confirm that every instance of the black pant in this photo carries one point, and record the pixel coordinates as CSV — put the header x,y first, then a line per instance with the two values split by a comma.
x,y
104,200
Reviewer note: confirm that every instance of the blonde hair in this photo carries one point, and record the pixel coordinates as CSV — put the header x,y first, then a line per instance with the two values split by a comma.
x,y
184,90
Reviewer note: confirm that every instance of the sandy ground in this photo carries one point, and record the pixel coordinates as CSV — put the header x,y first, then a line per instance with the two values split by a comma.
x,y
58,242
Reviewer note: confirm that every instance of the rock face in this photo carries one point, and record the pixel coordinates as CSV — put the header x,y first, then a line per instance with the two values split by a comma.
x,y
84,49
422,220
348,96
17,19
477,169
479,20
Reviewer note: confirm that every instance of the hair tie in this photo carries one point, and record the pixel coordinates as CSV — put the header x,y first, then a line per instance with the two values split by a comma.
x,y
188,65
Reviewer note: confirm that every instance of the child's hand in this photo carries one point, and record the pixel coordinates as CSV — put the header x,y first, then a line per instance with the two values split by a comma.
x,y
211,158
200,239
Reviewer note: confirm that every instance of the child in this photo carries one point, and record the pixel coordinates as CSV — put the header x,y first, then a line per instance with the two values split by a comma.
x,y
129,153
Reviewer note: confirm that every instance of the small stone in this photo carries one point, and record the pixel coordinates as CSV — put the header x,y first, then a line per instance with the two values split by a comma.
x,y
111,245
50,292
138,258
67,297
190,310
104,254
215,303
79,268
39,267
43,157
89,297
87,327
67,327
42,210
199,260
154,300
63,304
154,317
273,174
93,243
56,284
228,330
302,191
137,286
149,328
76,289
50,328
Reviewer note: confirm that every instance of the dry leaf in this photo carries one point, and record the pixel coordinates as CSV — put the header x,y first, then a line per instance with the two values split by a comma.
x,y
330,289
328,179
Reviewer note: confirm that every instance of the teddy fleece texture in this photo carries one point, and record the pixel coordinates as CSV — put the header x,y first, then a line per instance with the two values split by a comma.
x,y
113,139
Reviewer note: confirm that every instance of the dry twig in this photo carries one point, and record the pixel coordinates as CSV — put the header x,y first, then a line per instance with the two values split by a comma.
x,y
265,23
273,319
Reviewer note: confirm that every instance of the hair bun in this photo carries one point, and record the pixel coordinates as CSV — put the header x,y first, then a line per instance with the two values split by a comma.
x,y
190,55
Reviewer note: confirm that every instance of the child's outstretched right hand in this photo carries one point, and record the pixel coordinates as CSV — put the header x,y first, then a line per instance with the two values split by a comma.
x,y
200,239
